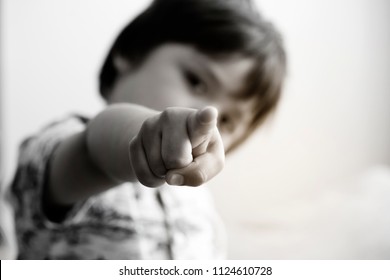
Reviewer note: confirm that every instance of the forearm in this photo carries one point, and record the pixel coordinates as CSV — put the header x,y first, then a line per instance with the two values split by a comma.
x,y
73,175
96,159
108,136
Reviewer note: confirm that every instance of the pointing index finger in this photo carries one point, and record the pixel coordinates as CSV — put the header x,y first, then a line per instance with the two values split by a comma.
x,y
201,124
207,116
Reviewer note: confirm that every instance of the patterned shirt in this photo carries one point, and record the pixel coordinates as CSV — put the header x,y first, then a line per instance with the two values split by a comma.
x,y
129,221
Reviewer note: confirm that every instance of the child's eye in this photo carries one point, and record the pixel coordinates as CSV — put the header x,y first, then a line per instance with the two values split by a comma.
x,y
226,123
195,82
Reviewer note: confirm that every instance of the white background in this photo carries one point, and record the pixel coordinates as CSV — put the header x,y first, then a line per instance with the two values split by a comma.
x,y
312,183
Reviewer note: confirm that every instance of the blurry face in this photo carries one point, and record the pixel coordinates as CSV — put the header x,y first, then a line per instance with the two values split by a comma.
x,y
179,76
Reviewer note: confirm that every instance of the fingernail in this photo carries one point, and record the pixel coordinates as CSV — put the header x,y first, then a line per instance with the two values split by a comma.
x,y
176,179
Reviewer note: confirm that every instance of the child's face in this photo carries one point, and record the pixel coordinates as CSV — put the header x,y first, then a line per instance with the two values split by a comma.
x,y
179,76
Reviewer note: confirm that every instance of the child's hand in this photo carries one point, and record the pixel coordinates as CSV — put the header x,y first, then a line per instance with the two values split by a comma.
x,y
180,146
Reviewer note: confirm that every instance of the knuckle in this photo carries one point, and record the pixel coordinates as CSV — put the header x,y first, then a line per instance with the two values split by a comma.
x,y
147,128
168,114
147,125
172,114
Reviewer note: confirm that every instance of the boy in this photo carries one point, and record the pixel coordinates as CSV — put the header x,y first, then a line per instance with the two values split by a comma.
x,y
185,82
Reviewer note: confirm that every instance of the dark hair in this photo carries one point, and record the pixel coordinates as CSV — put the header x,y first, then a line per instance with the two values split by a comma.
x,y
214,27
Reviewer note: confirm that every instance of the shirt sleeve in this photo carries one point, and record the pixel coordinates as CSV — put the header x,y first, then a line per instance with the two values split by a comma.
x,y
29,181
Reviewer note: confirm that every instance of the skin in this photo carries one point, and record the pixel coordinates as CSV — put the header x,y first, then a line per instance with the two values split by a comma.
x,y
179,76
167,120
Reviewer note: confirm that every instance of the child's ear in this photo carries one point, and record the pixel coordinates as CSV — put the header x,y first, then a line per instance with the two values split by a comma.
x,y
122,65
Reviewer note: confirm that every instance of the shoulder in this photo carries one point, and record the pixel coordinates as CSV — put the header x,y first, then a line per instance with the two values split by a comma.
x,y
36,150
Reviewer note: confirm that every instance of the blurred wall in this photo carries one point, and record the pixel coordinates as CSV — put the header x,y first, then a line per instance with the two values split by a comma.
x,y
332,125
52,53
332,129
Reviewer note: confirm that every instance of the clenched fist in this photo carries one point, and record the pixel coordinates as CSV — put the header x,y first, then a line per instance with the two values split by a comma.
x,y
179,146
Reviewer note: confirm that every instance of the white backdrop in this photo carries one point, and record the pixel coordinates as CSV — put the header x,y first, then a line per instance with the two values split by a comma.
x,y
315,175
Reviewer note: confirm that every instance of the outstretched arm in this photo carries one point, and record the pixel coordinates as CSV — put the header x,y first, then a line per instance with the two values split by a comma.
x,y
180,146
96,159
